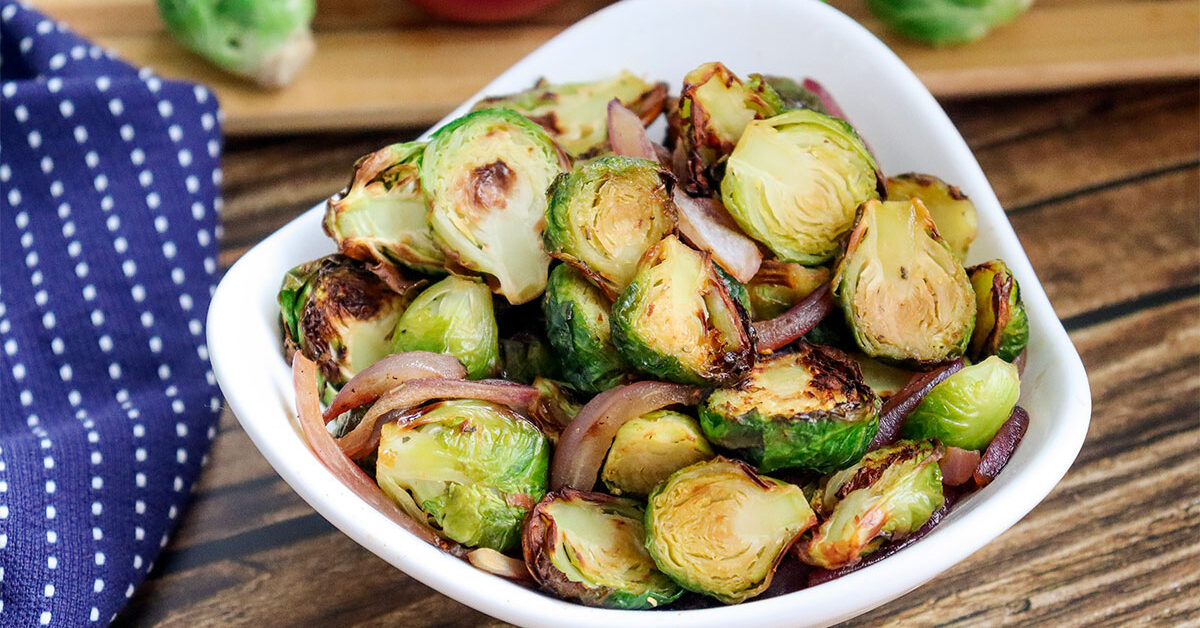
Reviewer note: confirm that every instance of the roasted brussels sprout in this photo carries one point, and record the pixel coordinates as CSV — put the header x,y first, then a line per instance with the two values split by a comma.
x,y
720,529
555,408
779,286
576,114
884,380
967,409
485,176
795,95
886,497
905,296
605,213
808,409
946,22
677,321
951,210
472,469
452,316
651,447
794,181
1001,325
526,357
591,547
577,325
380,218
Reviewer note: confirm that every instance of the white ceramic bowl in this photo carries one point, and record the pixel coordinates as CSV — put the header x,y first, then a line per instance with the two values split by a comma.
x,y
664,39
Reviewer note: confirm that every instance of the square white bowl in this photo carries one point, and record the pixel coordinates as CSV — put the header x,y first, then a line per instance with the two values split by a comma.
x,y
663,40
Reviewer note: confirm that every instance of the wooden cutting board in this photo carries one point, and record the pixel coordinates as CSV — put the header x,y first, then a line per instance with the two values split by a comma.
x,y
387,63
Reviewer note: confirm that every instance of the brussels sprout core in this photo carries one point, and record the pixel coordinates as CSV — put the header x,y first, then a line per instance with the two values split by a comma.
x,y
968,408
452,316
951,210
649,448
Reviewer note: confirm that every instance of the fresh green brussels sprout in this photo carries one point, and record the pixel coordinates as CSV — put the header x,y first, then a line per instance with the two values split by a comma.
x,y
339,315
720,529
677,321
967,409
808,409
605,213
651,447
779,286
473,469
577,325
485,176
527,357
794,181
1001,325
946,22
576,114
886,497
904,294
452,316
952,212
795,95
591,547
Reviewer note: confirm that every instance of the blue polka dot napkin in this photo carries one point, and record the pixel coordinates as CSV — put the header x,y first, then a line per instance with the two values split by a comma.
x,y
108,228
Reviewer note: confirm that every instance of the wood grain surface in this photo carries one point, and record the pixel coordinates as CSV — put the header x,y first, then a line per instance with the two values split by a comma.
x,y
1103,188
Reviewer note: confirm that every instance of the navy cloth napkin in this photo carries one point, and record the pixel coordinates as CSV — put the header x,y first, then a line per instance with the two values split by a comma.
x,y
108,225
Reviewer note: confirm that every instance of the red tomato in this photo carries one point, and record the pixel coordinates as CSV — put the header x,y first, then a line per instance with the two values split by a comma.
x,y
480,11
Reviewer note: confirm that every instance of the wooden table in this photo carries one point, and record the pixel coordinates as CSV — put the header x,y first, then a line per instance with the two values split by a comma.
x,y
1103,187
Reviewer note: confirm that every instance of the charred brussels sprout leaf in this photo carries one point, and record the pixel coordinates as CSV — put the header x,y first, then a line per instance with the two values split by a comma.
x,y
485,177
946,22
677,321
578,327
905,296
473,469
968,408
779,286
886,497
591,547
604,214
649,448
951,210
527,357
808,409
795,95
1001,325
794,181
452,316
720,529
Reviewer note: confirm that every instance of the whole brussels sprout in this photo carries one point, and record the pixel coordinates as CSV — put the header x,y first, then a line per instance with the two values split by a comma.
x,y
946,22
808,409
967,409
651,447
720,529
778,286
951,210
591,547
577,325
605,213
904,294
886,497
485,176
576,114
1001,325
677,321
452,316
474,469
794,181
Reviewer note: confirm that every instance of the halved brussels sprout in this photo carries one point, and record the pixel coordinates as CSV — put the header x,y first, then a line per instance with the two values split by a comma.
x,y
886,497
577,325
883,379
452,316
576,114
720,529
905,296
380,217
485,177
808,409
778,286
472,469
1001,325
527,357
952,212
795,95
794,181
605,213
651,447
591,547
555,408
677,321
967,409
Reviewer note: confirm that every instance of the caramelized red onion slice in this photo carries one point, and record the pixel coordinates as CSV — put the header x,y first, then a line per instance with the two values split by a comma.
x,y
900,405
777,332
584,442
958,465
1002,446
373,381
498,564
627,134
825,97
707,225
